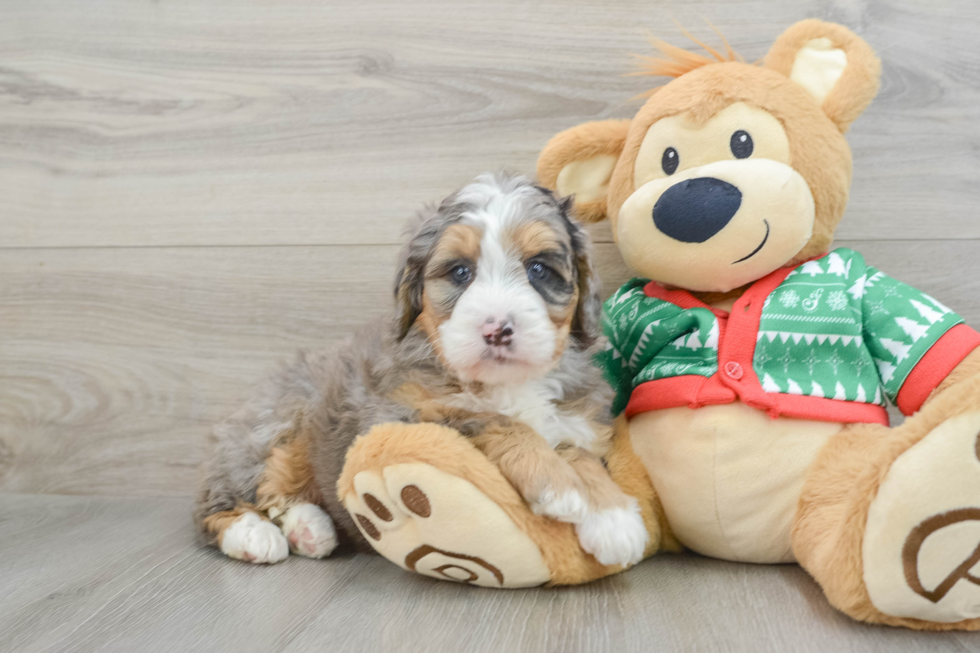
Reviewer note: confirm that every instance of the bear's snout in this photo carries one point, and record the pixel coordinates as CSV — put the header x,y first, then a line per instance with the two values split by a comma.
x,y
694,210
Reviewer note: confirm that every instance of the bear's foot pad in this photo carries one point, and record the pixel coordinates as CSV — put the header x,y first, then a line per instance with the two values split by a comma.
x,y
922,542
440,525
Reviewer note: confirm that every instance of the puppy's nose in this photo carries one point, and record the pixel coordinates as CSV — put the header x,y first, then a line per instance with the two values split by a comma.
x,y
694,210
498,334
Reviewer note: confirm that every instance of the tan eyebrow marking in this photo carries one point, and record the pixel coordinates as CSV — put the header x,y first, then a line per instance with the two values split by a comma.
x,y
458,241
533,238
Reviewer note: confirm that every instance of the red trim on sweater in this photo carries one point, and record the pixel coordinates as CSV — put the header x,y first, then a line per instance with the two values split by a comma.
x,y
830,410
690,390
681,298
935,366
697,391
739,343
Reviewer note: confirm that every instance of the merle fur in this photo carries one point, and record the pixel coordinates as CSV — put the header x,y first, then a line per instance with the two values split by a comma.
x,y
340,394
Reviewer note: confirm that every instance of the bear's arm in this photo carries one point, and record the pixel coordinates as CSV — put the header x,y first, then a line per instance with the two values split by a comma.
x,y
921,347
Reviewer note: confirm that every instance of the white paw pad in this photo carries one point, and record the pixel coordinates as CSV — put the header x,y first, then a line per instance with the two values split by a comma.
x,y
252,539
568,506
616,536
309,530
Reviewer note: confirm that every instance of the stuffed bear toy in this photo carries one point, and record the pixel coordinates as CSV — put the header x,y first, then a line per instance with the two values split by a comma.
x,y
752,363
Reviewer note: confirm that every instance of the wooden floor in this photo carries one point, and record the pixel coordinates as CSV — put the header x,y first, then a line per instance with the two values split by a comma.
x,y
113,574
191,190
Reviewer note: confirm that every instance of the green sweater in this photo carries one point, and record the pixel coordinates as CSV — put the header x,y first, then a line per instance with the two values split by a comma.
x,y
828,340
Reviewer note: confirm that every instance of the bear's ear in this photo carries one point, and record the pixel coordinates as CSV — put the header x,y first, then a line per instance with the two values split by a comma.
x,y
579,161
832,63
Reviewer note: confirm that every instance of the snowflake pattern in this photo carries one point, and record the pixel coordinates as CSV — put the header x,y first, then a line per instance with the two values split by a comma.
x,y
789,298
787,359
835,361
877,308
892,292
812,360
762,356
860,364
837,300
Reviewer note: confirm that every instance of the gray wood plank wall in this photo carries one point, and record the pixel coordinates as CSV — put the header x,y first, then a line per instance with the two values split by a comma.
x,y
190,191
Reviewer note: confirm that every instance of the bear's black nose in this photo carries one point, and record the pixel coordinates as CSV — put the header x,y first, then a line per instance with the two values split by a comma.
x,y
694,210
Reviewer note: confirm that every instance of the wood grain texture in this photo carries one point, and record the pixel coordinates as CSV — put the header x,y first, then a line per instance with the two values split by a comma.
x,y
114,362
126,575
218,123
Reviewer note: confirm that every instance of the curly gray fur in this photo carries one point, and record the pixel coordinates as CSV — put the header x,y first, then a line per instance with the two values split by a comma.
x,y
340,394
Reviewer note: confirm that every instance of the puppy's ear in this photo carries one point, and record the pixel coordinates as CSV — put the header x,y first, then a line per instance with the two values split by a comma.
x,y
408,298
580,161
585,325
832,63
423,233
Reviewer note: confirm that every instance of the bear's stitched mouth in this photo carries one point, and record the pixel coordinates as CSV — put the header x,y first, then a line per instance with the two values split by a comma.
x,y
756,250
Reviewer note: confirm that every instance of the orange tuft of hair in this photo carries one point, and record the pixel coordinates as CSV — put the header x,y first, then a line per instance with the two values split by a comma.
x,y
678,61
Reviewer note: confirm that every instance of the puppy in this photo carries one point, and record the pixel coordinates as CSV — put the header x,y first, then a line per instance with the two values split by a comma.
x,y
496,325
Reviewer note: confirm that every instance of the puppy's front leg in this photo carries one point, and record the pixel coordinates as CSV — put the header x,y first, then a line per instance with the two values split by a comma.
x,y
613,531
602,491
546,481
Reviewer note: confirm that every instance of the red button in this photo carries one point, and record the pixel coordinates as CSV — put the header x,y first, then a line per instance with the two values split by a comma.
x,y
733,370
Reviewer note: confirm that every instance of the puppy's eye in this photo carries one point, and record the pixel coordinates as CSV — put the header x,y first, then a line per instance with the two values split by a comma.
x,y
461,274
741,144
537,271
670,161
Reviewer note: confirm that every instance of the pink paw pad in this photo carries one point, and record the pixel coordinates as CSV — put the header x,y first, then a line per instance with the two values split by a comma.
x,y
309,530
301,539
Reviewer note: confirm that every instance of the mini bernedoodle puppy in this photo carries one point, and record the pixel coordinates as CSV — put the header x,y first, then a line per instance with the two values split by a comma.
x,y
495,329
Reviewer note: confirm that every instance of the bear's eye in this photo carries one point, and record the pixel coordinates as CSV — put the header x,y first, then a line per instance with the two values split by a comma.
x,y
741,144
670,161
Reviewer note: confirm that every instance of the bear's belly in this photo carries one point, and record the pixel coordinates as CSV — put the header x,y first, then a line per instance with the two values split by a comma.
x,y
729,476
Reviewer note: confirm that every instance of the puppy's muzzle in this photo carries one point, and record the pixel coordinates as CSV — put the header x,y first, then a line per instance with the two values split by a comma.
x,y
498,334
694,210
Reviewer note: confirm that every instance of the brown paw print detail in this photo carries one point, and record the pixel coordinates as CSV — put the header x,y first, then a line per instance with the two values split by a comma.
x,y
910,554
462,568
416,501
913,543
377,507
368,527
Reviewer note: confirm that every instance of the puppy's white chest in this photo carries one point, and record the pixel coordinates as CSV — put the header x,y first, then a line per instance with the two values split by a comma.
x,y
534,404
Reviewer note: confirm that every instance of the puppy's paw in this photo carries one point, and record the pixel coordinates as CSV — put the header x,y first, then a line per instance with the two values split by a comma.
x,y
252,539
568,505
309,530
614,536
